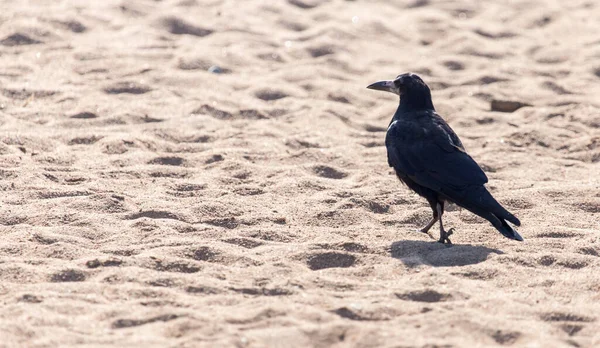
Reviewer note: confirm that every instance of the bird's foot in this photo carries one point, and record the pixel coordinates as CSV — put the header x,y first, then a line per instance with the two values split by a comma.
x,y
426,231
423,230
444,236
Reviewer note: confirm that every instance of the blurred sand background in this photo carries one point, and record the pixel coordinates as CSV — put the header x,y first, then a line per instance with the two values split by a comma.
x,y
186,173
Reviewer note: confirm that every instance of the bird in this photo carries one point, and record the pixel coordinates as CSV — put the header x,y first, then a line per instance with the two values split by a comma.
x,y
430,159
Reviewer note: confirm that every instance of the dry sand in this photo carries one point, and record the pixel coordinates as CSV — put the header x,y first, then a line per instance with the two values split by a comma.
x,y
148,201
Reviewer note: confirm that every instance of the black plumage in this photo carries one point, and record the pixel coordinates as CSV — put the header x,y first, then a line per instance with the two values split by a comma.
x,y
430,159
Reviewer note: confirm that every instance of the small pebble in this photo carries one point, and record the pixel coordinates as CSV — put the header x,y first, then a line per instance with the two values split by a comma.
x,y
215,69
507,105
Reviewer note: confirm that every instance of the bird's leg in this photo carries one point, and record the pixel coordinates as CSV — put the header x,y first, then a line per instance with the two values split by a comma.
x,y
426,228
434,219
443,233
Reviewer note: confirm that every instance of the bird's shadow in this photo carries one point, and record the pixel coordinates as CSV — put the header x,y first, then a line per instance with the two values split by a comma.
x,y
417,252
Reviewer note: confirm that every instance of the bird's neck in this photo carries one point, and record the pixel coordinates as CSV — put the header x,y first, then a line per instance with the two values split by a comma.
x,y
418,102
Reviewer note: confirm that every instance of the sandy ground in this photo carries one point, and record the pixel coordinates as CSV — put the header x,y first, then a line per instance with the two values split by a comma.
x,y
147,200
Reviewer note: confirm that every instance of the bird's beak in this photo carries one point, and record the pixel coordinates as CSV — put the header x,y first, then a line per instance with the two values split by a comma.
x,y
387,86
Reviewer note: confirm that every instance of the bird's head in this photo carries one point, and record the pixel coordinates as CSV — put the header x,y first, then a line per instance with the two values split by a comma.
x,y
410,87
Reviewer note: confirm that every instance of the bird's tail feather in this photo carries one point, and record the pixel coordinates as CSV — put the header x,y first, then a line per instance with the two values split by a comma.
x,y
481,202
486,201
502,213
508,231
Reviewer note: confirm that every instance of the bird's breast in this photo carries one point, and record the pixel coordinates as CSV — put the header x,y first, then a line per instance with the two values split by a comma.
x,y
392,124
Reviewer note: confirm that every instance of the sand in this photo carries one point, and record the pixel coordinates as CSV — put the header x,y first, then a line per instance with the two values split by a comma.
x,y
148,201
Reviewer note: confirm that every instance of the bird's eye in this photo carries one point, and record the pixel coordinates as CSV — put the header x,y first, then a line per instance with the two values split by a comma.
x,y
399,85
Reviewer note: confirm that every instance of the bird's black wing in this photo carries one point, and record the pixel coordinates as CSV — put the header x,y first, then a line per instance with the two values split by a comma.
x,y
430,154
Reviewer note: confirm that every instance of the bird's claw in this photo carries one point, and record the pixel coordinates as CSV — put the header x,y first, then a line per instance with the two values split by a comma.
x,y
444,236
445,240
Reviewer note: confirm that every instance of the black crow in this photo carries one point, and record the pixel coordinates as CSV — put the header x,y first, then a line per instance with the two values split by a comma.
x,y
430,159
